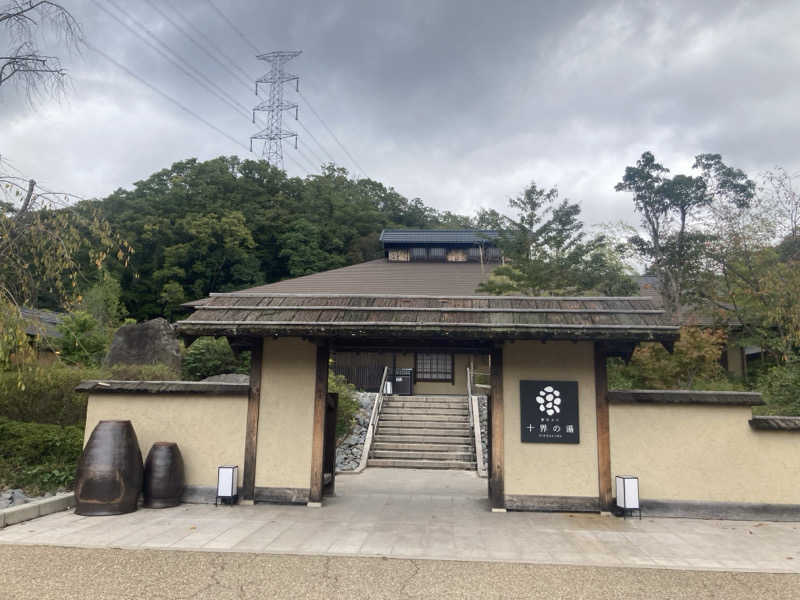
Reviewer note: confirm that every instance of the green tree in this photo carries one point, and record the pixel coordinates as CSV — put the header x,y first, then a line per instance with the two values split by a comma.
x,y
226,223
549,252
674,242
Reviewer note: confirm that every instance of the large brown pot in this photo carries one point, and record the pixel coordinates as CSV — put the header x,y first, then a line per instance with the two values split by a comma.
x,y
110,471
163,476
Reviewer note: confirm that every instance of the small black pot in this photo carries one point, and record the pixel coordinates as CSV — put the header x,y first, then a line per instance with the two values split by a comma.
x,y
163,476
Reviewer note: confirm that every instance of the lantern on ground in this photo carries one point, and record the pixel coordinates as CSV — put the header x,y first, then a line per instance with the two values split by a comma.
x,y
227,484
628,495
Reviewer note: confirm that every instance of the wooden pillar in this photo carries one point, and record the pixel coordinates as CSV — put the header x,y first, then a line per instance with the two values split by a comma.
x,y
603,440
318,436
251,430
329,451
496,459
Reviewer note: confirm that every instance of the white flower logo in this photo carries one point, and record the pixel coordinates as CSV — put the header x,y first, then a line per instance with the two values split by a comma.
x,y
549,400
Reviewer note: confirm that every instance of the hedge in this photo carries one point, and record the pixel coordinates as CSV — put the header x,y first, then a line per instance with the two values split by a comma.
x,y
38,457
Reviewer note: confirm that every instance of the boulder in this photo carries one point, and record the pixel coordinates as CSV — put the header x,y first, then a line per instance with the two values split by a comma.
x,y
149,342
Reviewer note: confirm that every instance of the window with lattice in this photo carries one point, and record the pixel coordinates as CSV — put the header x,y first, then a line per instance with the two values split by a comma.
x,y
434,366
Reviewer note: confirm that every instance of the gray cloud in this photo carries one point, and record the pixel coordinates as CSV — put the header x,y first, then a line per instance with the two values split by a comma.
x,y
459,103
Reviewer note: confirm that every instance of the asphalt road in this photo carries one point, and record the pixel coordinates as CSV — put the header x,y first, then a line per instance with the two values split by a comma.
x,y
45,572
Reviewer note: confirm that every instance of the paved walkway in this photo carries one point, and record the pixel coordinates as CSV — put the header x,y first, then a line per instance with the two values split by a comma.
x,y
434,515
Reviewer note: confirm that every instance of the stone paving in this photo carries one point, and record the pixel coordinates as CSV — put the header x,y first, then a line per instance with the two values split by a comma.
x,y
406,513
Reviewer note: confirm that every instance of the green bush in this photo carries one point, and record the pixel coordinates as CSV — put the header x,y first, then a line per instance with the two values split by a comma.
x,y
209,356
142,373
348,404
780,387
83,340
38,457
45,394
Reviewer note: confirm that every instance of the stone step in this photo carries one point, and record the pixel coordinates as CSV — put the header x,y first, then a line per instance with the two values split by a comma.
x,y
422,447
424,417
421,463
422,455
422,439
424,429
422,412
394,421
428,397
401,404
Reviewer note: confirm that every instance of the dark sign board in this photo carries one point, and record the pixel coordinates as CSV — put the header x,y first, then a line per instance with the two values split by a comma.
x,y
549,411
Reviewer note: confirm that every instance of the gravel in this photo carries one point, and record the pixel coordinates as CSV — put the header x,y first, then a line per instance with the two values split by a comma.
x,y
349,450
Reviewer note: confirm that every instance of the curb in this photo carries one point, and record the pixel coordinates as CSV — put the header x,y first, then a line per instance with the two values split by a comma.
x,y
35,509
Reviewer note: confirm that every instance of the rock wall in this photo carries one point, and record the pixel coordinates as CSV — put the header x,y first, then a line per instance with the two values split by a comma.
x,y
349,450
483,409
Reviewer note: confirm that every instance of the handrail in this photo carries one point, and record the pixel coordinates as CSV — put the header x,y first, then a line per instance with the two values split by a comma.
x,y
469,397
373,421
475,423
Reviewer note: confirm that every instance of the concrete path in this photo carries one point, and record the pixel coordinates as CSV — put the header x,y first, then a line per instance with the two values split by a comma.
x,y
429,514
50,573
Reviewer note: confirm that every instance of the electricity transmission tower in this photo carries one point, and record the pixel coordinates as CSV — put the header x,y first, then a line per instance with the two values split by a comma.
x,y
274,133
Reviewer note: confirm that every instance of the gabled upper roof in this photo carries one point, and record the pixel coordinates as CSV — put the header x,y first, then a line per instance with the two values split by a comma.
x,y
384,277
436,236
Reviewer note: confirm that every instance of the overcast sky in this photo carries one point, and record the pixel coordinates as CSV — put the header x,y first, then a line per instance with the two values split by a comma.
x,y
459,103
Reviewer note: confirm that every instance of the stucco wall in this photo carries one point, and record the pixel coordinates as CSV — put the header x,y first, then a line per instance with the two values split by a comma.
x,y
550,469
286,416
208,429
706,453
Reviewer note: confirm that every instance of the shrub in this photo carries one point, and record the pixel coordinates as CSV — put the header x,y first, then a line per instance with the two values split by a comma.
x,y
157,372
209,356
781,389
45,394
38,457
84,341
348,403
694,364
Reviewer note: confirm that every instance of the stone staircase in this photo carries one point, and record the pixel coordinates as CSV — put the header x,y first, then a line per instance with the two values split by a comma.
x,y
423,432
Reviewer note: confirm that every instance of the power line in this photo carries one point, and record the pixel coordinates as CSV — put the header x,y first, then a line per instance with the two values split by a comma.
x,y
240,108
247,41
247,76
333,135
312,153
164,95
308,160
245,82
311,135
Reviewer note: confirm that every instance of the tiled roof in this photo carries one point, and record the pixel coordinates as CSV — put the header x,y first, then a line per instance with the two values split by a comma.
x,y
436,236
42,322
684,397
775,423
384,277
162,387
382,315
